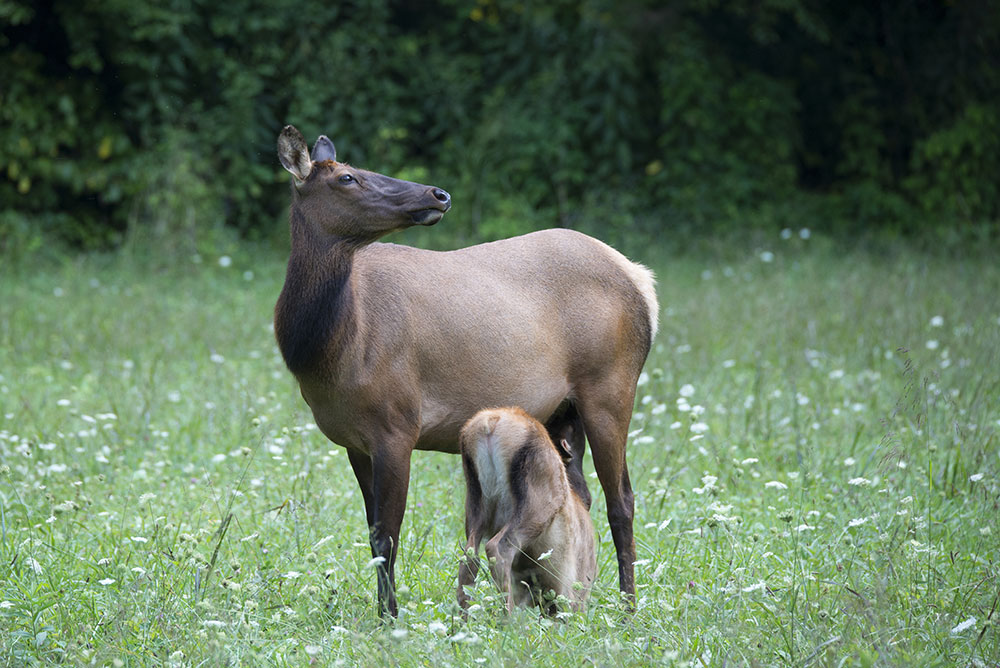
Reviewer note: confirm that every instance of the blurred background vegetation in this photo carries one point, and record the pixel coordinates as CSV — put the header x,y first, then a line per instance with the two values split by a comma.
x,y
125,122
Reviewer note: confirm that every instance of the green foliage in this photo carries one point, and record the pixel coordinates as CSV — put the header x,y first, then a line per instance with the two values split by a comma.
x,y
715,163
119,115
949,167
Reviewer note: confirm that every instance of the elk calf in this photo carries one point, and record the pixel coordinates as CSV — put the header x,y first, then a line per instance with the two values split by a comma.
x,y
519,499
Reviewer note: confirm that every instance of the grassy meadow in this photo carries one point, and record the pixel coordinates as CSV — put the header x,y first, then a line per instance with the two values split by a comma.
x,y
814,453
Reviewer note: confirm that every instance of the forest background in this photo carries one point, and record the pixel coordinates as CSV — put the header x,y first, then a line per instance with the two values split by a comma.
x,y
125,121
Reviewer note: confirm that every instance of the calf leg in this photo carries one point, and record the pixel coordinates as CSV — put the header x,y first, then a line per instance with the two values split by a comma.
x,y
500,551
468,569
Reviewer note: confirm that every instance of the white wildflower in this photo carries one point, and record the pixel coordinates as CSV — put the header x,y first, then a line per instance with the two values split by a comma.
x,y
106,582
976,477
708,483
775,484
687,390
323,541
859,482
937,321
963,625
225,261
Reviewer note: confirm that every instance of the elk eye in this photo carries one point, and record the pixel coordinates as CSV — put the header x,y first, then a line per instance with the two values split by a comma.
x,y
346,178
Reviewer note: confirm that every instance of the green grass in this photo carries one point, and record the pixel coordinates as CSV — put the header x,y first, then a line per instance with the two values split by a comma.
x,y
824,493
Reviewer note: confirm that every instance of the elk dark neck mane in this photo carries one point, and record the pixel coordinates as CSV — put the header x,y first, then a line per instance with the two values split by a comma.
x,y
316,308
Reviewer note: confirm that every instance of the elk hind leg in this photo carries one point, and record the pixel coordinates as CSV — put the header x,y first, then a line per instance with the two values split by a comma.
x,y
606,416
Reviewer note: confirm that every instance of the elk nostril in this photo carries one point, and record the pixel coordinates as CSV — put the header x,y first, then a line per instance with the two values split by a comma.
x,y
441,195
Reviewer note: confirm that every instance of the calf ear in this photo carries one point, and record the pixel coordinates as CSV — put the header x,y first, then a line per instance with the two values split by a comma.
x,y
294,153
564,450
323,149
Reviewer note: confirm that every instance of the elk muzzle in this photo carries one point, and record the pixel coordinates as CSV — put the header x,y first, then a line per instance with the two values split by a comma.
x,y
435,212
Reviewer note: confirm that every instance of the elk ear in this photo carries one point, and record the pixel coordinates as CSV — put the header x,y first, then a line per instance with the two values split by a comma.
x,y
564,450
323,149
294,153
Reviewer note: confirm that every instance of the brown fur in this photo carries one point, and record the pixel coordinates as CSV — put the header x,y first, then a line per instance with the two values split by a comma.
x,y
394,348
519,500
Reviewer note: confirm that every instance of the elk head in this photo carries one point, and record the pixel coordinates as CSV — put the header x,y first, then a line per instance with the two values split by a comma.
x,y
353,203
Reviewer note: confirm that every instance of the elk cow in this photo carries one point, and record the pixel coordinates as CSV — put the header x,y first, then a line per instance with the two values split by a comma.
x,y
517,497
395,348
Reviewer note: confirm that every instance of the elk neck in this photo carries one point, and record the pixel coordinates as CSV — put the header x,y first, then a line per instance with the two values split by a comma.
x,y
315,314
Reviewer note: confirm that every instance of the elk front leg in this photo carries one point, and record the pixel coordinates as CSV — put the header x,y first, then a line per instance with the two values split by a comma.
x,y
384,479
362,465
